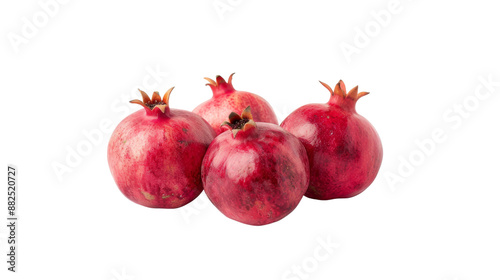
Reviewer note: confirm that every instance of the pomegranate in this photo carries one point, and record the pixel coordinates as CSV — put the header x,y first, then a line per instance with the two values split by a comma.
x,y
155,155
344,149
226,99
255,173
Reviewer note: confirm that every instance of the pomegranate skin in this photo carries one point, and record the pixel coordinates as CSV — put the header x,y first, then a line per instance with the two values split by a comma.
x,y
344,149
155,157
258,176
226,100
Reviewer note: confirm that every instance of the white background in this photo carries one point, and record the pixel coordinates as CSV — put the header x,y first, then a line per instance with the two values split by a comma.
x,y
85,61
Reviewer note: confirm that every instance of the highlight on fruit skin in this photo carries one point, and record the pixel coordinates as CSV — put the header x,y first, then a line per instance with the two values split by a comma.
x,y
344,149
255,173
226,99
155,154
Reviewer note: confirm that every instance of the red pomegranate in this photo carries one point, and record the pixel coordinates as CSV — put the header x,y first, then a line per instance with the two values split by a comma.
x,y
155,154
255,173
344,149
226,99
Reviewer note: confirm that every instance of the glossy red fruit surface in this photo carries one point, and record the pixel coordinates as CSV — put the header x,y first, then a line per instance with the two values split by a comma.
x,y
345,151
226,99
155,154
255,173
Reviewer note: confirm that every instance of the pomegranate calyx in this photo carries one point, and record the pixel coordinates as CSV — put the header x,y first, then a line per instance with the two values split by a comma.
x,y
243,122
340,90
220,86
339,95
155,103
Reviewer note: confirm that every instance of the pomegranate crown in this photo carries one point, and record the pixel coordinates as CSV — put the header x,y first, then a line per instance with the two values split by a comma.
x,y
220,86
340,91
155,103
243,122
